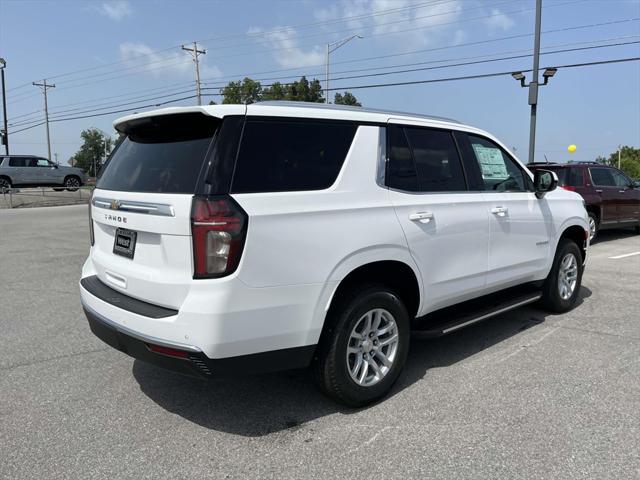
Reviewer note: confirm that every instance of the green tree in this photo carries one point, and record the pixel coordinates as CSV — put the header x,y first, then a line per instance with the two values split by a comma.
x,y
93,151
629,160
249,91
347,99
276,91
242,92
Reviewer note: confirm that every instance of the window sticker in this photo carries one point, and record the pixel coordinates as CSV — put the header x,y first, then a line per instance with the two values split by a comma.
x,y
491,162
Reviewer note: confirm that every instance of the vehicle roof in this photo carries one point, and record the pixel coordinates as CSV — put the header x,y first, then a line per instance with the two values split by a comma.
x,y
566,165
25,156
301,110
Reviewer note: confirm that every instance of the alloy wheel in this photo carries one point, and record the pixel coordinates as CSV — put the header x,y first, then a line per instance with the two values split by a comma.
x,y
567,276
372,347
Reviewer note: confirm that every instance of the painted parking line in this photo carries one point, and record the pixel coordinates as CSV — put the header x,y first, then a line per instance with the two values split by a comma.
x,y
625,255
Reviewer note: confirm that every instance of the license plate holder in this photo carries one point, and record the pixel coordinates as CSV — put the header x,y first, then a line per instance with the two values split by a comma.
x,y
124,243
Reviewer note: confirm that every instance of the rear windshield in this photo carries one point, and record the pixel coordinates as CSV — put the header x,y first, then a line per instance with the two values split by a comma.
x,y
279,155
160,154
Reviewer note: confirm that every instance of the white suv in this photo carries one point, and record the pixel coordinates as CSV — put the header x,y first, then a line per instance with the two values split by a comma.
x,y
232,239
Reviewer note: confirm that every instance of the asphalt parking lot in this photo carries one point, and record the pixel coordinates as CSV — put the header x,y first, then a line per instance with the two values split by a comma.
x,y
524,395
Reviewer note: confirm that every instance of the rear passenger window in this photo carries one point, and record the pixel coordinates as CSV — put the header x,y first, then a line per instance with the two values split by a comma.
x,y
288,155
16,162
436,159
423,159
602,177
401,172
575,177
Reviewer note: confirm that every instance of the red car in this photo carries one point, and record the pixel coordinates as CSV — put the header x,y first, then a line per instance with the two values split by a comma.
x,y
612,199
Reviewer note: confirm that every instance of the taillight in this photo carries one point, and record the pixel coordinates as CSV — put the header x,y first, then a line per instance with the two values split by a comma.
x,y
92,237
218,228
568,187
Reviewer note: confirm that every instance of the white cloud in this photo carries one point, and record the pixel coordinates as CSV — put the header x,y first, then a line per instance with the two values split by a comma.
x,y
286,50
380,19
160,63
115,9
499,20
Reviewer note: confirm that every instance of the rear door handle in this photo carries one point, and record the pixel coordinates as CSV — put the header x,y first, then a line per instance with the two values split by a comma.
x,y
622,191
499,211
598,190
422,217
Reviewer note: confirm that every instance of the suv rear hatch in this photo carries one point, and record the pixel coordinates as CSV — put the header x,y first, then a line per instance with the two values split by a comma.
x,y
141,207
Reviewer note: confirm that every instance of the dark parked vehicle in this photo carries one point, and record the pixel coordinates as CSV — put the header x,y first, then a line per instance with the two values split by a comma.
x,y
31,171
611,198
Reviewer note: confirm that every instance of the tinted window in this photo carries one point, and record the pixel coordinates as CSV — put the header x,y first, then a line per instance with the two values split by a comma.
x,y
290,155
602,177
575,177
17,162
160,154
401,172
621,179
499,172
436,160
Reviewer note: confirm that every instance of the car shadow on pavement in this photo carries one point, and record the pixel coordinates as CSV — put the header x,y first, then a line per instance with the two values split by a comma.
x,y
259,405
614,234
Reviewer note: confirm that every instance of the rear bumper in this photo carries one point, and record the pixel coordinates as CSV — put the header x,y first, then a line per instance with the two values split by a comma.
x,y
195,362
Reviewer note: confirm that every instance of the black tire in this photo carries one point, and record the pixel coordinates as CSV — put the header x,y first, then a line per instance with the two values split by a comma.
x,y
5,184
552,299
330,367
596,224
72,184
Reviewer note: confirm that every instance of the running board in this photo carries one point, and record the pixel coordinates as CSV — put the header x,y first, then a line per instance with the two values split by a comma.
x,y
451,319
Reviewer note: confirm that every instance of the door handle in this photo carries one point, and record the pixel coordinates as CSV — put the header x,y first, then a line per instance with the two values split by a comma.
x,y
499,211
598,190
422,217
621,191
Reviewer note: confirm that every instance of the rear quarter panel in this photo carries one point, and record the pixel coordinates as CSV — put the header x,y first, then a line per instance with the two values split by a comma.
x,y
319,237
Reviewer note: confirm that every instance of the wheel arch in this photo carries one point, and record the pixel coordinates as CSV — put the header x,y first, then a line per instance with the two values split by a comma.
x,y
398,274
578,234
7,177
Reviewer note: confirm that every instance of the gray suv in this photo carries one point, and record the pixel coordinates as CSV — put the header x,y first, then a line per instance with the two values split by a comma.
x,y
31,171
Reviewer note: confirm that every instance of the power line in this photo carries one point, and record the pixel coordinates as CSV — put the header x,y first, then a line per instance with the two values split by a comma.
x,y
255,34
447,47
359,87
105,113
145,67
451,65
484,75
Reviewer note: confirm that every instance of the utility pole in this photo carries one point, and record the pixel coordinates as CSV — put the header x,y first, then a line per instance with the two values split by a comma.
x,y
332,47
5,136
619,147
46,86
195,53
533,85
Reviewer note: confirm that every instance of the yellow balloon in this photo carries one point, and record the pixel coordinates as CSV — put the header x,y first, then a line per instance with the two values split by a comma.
x,y
572,148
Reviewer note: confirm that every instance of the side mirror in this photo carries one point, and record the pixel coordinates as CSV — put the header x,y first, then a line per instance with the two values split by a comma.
x,y
544,181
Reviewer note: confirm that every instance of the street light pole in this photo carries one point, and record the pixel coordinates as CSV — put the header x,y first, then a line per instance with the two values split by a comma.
x,y
533,85
332,47
3,64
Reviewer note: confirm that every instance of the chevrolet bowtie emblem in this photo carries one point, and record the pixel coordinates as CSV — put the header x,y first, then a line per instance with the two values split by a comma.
x,y
115,204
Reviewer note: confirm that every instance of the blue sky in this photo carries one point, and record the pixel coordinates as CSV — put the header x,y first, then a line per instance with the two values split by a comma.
x,y
103,54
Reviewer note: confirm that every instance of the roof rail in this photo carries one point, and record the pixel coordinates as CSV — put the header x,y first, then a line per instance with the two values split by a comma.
x,y
332,106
